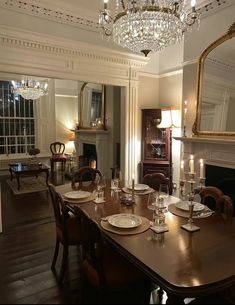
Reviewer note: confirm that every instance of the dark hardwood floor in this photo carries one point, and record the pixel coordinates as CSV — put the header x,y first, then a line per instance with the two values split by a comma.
x,y
26,250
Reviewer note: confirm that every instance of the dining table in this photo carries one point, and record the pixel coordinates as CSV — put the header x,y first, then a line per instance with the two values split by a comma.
x,y
184,264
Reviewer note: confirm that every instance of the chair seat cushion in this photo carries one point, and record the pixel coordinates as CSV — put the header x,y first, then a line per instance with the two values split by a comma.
x,y
58,157
118,271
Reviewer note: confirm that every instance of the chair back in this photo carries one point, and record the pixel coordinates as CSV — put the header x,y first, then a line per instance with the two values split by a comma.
x,y
154,180
60,210
215,199
57,148
85,173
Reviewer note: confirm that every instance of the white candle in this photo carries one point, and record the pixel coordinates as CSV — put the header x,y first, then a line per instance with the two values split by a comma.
x,y
185,111
182,170
201,169
191,165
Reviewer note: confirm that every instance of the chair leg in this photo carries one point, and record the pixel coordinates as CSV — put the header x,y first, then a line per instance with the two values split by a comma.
x,y
56,251
64,263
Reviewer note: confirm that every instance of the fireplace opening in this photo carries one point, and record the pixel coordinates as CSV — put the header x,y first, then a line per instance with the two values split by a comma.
x,y
223,178
89,157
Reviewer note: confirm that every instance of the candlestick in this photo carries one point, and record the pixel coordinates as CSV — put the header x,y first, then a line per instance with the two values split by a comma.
x,y
201,176
191,165
133,187
182,177
184,121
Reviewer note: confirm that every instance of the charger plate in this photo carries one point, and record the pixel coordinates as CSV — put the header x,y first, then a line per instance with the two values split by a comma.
x,y
198,214
144,226
145,192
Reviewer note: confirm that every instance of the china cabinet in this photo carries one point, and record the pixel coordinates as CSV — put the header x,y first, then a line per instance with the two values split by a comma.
x,y
156,145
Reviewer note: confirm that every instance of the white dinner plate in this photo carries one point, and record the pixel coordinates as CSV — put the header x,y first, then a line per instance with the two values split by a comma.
x,y
139,187
184,205
77,194
125,221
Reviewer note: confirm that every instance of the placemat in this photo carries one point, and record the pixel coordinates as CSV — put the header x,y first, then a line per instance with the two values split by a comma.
x,y
77,201
202,214
146,192
140,229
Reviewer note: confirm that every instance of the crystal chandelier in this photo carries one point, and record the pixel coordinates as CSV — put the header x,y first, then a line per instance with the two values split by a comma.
x,y
30,89
148,25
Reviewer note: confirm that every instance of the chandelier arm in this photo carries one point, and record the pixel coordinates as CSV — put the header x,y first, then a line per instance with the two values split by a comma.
x,y
123,4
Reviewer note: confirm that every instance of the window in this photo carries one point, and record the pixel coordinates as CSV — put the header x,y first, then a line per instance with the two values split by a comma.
x,y
17,122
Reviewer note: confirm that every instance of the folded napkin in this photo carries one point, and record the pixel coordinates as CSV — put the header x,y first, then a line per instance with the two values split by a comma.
x,y
158,229
98,200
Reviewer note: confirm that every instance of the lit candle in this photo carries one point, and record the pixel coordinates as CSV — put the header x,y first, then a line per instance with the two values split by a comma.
x,y
191,165
133,186
182,170
201,169
185,111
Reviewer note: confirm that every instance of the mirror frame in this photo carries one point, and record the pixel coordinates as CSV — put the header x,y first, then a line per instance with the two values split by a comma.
x,y
196,126
103,109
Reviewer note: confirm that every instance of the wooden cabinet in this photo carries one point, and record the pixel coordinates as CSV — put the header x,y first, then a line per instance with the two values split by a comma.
x,y
156,145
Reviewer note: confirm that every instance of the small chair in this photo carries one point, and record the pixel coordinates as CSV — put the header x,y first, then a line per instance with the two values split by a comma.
x,y
57,150
154,181
68,231
84,174
215,199
105,269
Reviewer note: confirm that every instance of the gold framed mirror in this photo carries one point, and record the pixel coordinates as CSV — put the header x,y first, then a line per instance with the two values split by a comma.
x,y
92,105
216,88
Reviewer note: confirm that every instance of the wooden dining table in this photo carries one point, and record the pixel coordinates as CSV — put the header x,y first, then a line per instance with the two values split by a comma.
x,y
185,264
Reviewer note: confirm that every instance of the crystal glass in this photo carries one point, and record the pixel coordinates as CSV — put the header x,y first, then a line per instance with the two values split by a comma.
x,y
152,201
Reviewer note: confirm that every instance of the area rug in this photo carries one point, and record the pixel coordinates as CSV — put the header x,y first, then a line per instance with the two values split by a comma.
x,y
28,185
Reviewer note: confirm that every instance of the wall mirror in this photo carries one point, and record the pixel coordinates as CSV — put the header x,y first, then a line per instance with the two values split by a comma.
x,y
216,88
92,106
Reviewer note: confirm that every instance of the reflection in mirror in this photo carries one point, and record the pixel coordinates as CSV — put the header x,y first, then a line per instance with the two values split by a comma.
x,y
216,88
92,106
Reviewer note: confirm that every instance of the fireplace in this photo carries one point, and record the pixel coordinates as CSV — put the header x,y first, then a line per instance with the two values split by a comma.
x,y
223,178
93,146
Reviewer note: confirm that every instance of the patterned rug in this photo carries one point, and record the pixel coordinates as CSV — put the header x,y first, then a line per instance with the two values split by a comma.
x,y
28,185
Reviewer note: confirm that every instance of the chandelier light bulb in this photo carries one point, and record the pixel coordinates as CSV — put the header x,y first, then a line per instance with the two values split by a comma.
x,y
30,89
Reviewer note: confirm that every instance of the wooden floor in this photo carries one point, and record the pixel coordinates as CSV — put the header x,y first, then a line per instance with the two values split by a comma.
x,y
26,250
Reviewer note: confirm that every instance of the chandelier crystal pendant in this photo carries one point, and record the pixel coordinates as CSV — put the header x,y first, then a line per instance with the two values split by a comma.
x,y
148,25
30,89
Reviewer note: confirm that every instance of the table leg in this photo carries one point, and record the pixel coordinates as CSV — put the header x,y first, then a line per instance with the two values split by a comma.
x,y
18,181
47,176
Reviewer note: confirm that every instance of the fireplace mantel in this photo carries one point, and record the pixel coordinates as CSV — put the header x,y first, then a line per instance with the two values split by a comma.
x,y
223,141
215,151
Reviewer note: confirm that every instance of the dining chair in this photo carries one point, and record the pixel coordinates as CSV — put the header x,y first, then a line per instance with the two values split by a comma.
x,y
57,150
155,180
84,176
68,231
107,271
215,199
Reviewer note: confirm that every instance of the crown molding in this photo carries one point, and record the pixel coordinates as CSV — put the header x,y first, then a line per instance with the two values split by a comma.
x,y
45,12
22,39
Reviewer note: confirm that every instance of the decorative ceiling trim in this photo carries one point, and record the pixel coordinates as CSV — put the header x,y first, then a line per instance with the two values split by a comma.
x,y
10,37
29,8
46,13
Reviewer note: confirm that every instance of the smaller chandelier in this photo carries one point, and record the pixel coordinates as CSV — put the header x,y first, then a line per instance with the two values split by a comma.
x,y
148,25
30,89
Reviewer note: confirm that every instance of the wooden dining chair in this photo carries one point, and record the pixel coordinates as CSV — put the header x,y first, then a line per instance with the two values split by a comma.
x,y
83,175
107,271
215,199
57,155
68,231
154,181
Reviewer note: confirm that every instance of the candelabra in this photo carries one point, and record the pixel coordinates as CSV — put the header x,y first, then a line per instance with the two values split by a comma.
x,y
190,192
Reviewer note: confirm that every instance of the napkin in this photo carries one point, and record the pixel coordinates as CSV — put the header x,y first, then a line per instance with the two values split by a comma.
x,y
158,229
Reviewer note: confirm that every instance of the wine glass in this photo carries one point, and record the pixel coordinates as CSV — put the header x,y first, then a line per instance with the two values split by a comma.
x,y
163,194
152,201
102,183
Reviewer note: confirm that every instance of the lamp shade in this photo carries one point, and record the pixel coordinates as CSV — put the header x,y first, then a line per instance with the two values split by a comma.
x,y
170,118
